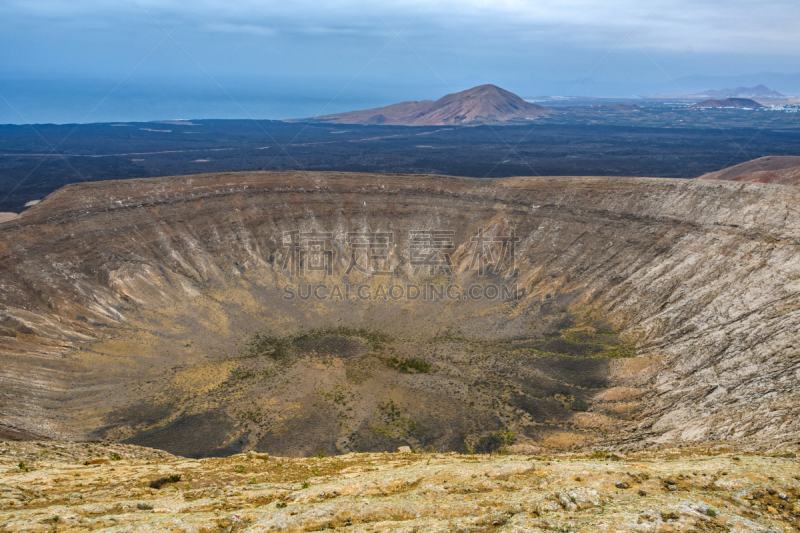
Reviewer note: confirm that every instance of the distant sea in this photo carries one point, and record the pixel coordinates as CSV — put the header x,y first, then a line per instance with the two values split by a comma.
x,y
41,100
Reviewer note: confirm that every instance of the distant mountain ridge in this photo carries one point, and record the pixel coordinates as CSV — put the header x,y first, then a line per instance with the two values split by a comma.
x,y
760,91
485,104
782,82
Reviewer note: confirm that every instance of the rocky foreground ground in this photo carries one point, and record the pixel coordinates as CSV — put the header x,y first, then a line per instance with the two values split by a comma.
x,y
59,486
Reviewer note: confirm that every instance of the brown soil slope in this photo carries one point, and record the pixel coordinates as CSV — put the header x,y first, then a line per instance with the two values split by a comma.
x,y
479,105
155,311
781,170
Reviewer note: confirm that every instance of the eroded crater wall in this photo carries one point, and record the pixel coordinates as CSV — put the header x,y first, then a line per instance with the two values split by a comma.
x,y
645,310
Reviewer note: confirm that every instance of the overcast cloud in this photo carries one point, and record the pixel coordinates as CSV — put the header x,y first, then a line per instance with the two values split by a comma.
x,y
313,50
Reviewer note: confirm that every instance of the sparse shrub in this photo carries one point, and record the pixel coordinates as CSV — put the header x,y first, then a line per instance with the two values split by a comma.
x,y
621,351
504,438
280,505
408,365
390,411
497,442
240,469
375,338
242,373
320,454
711,512
276,347
580,406
23,467
268,345
305,484
115,457
160,482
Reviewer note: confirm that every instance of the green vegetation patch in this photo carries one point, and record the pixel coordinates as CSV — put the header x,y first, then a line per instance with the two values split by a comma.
x,y
269,345
242,373
620,351
280,347
409,366
160,482
375,338
599,454
395,422
584,337
496,442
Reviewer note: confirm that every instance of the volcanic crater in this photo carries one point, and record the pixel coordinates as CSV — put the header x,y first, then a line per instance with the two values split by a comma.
x,y
179,313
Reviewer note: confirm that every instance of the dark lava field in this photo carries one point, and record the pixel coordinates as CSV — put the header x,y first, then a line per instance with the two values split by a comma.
x,y
591,141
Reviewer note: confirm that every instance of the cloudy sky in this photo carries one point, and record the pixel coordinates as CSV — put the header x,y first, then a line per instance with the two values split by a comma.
x,y
94,60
